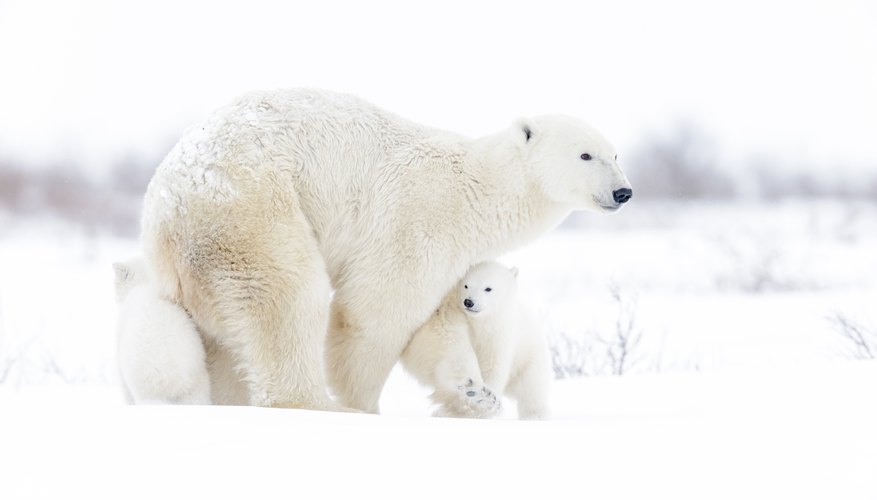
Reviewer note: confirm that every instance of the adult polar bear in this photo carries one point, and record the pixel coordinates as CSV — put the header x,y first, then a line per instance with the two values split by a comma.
x,y
258,213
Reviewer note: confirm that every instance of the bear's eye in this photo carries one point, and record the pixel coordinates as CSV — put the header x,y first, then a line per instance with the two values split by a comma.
x,y
586,157
616,157
488,289
466,287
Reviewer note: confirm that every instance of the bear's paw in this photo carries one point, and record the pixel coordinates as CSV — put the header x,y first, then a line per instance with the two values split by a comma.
x,y
468,400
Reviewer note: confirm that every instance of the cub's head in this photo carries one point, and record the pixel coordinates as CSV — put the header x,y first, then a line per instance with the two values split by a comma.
x,y
487,288
572,163
129,274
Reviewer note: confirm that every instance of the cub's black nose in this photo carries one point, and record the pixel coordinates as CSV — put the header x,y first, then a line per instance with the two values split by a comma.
x,y
468,303
622,195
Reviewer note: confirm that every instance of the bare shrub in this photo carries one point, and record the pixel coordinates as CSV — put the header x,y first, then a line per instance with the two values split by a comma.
x,y
16,363
5,368
36,363
860,343
756,264
576,356
591,353
622,348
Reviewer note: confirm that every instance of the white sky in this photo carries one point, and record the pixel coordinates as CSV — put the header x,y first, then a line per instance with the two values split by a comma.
x,y
91,81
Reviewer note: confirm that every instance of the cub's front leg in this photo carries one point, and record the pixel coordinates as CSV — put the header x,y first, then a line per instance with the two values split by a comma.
x,y
471,400
440,356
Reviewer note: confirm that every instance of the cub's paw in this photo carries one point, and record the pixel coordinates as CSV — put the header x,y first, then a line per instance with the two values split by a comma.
x,y
468,400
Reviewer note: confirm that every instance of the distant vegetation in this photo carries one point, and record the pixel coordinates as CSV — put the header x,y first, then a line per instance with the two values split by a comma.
x,y
111,204
681,164
684,164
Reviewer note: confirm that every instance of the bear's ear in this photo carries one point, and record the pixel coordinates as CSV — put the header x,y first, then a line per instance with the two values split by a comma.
x,y
524,130
514,271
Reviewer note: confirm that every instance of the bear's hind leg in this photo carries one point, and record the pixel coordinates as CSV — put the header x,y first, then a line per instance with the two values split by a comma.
x,y
264,294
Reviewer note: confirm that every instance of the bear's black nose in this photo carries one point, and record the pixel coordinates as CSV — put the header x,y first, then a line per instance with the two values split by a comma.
x,y
622,195
468,303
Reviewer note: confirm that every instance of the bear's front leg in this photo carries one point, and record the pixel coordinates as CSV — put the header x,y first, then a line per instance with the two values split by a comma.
x,y
360,356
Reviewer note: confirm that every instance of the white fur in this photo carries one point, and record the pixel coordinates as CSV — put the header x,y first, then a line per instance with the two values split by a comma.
x,y
440,356
482,333
258,213
160,354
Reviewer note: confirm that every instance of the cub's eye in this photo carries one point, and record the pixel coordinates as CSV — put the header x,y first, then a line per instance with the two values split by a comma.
x,y
466,287
586,157
488,289
616,157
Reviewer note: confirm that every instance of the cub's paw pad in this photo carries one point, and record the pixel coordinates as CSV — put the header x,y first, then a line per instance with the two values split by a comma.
x,y
479,401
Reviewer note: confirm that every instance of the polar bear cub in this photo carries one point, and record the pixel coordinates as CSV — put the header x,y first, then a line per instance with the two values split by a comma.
x,y
481,338
160,353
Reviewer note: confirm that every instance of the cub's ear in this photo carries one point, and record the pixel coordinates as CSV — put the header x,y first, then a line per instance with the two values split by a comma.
x,y
514,271
524,130
123,272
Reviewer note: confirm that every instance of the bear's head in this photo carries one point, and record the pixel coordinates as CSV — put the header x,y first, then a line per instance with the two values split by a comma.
x,y
487,288
572,163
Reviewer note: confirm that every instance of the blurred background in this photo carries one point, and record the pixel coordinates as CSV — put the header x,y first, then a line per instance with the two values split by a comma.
x,y
748,130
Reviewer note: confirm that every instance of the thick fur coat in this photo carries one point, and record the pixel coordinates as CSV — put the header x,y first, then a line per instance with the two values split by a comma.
x,y
259,213
160,355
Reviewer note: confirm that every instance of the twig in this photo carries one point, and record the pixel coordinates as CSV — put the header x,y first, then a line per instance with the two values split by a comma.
x,y
862,343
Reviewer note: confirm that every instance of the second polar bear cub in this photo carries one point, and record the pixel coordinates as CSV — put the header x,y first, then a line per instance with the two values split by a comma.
x,y
160,354
482,340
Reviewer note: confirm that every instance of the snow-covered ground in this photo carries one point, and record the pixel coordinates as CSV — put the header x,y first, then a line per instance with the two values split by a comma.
x,y
741,386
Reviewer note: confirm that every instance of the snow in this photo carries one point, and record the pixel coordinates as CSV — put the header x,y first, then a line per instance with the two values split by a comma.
x,y
666,436
740,389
